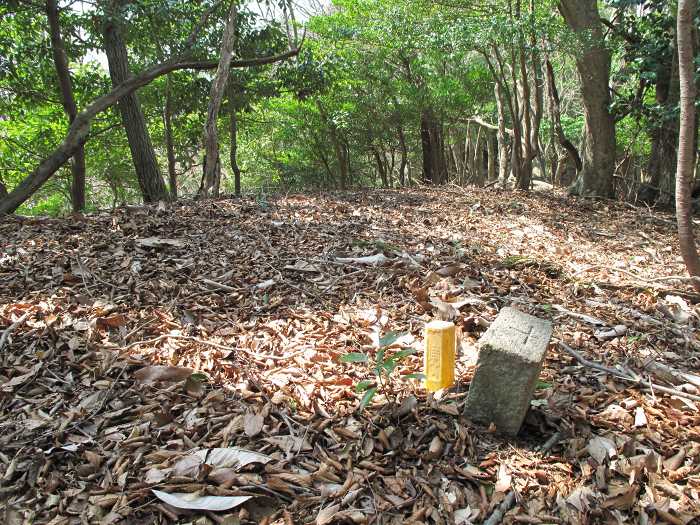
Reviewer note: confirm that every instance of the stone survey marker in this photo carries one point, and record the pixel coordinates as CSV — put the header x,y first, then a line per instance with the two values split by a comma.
x,y
510,359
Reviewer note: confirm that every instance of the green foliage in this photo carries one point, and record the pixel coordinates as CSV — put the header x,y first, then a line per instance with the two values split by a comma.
x,y
382,366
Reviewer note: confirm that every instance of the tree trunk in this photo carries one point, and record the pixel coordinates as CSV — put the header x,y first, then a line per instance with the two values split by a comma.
x,y
686,141
555,116
211,178
478,159
381,167
525,178
492,168
142,154
404,157
664,135
426,145
169,141
501,136
60,60
434,161
593,64
234,150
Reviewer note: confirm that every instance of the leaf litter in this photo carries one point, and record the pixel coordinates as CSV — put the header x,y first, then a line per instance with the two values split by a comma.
x,y
182,364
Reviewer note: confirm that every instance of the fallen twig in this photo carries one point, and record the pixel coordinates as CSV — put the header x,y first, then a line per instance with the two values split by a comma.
x,y
6,334
214,345
624,377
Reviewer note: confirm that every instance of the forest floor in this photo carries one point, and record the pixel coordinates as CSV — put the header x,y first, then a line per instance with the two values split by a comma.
x,y
157,359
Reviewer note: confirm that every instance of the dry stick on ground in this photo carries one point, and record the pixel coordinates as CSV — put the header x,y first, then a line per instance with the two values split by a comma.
x,y
641,280
645,385
215,345
13,326
509,501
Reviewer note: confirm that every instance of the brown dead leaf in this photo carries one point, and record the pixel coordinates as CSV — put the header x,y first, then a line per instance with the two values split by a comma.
x,y
151,374
253,424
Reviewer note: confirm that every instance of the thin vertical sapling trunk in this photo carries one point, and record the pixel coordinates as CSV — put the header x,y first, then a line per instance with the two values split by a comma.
x,y
686,140
169,141
60,60
211,178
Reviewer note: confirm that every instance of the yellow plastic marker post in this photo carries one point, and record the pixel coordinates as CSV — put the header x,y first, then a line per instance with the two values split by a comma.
x,y
440,344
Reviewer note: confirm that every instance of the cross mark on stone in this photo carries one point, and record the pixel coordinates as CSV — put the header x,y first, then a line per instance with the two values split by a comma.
x,y
526,334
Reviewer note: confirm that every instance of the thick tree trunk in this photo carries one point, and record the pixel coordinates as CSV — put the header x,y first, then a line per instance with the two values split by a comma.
x,y
593,64
142,154
211,178
686,142
60,60
169,140
434,161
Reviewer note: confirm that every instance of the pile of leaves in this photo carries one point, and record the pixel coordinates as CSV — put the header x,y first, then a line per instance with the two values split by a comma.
x,y
190,363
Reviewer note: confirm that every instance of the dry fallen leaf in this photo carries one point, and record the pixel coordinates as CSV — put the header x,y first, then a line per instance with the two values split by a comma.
x,y
196,502
151,374
253,424
326,515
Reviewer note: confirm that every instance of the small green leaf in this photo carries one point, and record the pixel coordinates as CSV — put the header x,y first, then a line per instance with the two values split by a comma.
x,y
367,398
363,385
404,353
389,365
354,357
380,357
420,377
542,385
389,339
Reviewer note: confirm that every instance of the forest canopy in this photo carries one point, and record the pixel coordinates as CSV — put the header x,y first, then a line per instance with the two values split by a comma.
x,y
353,93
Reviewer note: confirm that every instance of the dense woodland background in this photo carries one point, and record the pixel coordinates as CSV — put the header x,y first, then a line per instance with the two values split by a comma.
x,y
381,93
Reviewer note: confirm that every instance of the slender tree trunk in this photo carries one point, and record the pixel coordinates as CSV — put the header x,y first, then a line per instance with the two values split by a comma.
x,y
427,145
404,157
381,167
478,158
593,64
501,136
60,61
686,142
492,169
211,178
234,150
555,114
526,172
169,141
142,154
